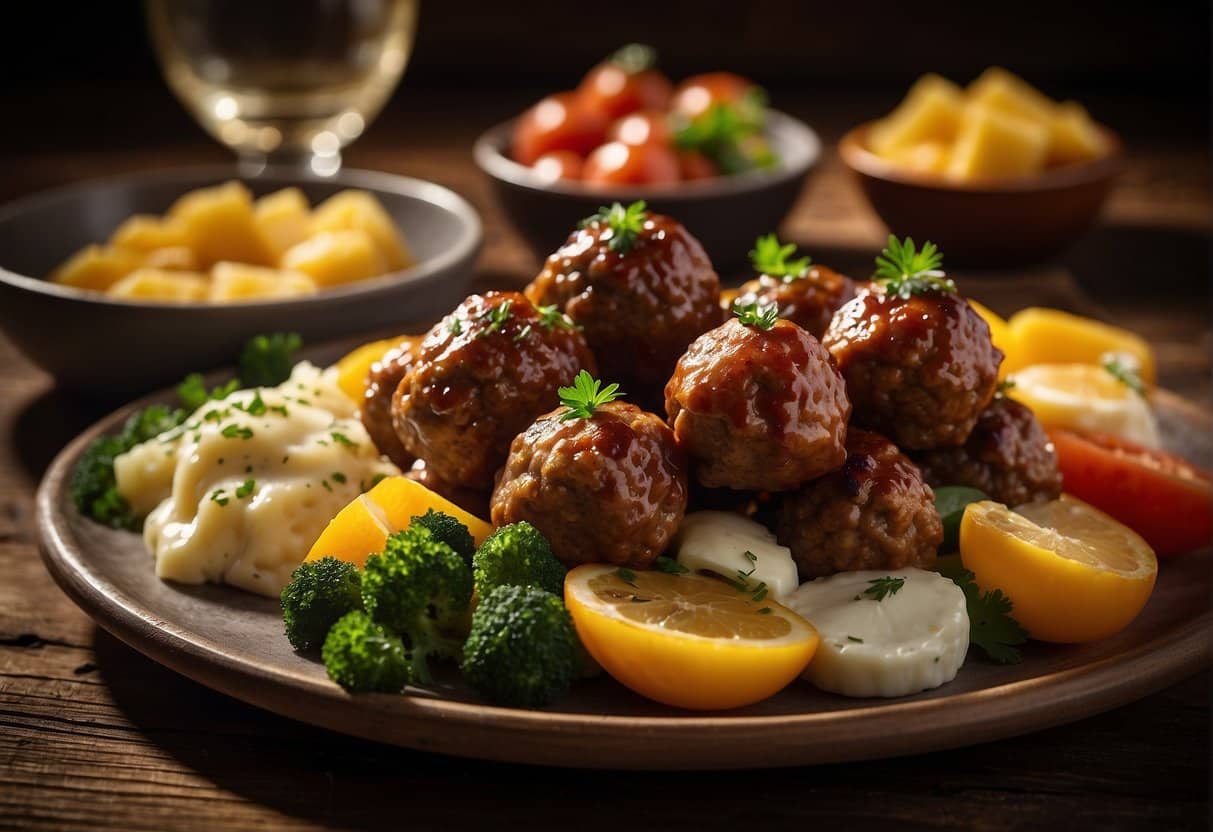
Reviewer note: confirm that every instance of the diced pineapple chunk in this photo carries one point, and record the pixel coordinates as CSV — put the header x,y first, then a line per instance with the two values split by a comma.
x,y
283,218
931,112
998,89
218,224
97,267
171,257
335,257
238,281
1074,136
359,210
161,285
927,157
998,144
143,232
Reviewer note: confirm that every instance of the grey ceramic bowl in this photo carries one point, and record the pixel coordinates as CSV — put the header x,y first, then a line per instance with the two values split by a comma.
x,y
725,213
91,342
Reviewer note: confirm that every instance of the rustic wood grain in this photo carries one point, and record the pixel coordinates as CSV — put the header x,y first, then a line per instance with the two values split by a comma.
x,y
94,735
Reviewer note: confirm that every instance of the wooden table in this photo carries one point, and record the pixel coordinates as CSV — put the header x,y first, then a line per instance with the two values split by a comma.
x,y
93,734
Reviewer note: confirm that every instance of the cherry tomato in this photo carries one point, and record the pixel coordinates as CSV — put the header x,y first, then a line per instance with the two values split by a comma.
x,y
610,90
558,122
694,165
559,164
616,163
1158,495
699,92
645,127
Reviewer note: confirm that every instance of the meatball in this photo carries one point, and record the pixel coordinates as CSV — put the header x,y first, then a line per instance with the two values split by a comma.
x,y
758,409
608,489
918,369
639,307
809,300
381,383
473,502
873,513
1008,456
482,375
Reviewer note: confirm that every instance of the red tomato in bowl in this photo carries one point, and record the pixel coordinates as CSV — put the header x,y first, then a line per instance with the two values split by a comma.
x,y
694,165
1158,495
558,122
612,91
616,163
557,165
645,127
696,95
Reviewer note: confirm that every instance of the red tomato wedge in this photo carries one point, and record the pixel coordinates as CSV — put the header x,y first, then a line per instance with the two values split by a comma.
x,y
1160,496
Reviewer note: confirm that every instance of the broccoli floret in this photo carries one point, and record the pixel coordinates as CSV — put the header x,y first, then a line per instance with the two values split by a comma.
x,y
266,360
517,555
522,650
418,587
362,656
450,531
320,592
94,489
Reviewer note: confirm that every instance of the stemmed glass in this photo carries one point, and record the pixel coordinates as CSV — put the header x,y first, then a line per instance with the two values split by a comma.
x,y
283,82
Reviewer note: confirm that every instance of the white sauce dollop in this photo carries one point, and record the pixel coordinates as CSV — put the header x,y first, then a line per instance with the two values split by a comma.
x,y
717,542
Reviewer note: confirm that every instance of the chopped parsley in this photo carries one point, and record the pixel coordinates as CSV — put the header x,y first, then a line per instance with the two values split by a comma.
x,y
280,409
246,488
496,316
585,396
233,431
669,566
338,477
342,439
1125,374
522,333
550,317
626,575
881,588
217,497
256,407
854,639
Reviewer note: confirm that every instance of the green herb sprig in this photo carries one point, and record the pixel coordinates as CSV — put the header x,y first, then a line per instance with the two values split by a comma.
x,y
624,224
585,396
991,627
772,257
1125,374
550,318
881,588
763,316
904,271
497,316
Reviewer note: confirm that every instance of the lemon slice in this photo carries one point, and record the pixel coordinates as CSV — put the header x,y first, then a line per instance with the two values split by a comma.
x,y
1050,336
1072,572
685,640
1086,397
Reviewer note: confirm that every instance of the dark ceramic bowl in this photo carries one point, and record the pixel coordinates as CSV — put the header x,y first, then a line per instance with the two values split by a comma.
x,y
988,223
91,342
725,213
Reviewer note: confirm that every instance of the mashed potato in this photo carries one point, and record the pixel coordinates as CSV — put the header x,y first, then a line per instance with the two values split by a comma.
x,y
239,493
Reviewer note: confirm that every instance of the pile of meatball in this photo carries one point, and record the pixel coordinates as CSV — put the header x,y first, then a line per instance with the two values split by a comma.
x,y
837,417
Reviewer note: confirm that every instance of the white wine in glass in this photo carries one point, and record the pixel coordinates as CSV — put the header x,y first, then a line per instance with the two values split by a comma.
x,y
283,81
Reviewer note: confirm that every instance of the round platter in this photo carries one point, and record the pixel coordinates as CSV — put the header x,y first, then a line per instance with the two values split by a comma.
x,y
232,641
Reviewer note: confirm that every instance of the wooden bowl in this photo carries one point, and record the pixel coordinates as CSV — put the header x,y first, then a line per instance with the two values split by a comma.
x,y
989,223
92,342
725,213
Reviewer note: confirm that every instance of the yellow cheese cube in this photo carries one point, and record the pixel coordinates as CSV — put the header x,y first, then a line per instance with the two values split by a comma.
x,y
335,257
931,112
180,258
358,210
927,157
1074,136
994,144
161,285
218,224
143,232
97,267
283,219
239,281
998,89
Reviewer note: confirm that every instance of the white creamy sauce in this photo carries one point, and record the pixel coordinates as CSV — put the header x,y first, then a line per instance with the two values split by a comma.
x,y
240,492
717,542
912,640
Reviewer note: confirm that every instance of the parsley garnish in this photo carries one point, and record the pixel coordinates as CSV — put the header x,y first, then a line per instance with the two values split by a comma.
x,y
769,256
246,489
217,497
730,134
455,327
496,316
326,485
193,393
766,611
338,477
756,314
626,575
280,409
636,599
585,396
1004,387
342,439
550,317
522,333
760,592
854,639
1125,374
266,360
256,407
233,431
904,271
991,627
624,224
669,566
880,588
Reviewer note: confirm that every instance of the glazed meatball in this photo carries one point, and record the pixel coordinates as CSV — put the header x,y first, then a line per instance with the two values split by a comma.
x,y
758,409
639,307
809,300
873,513
608,489
381,383
482,375
1008,456
918,369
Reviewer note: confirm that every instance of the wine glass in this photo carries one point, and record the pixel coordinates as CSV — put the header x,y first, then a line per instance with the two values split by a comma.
x,y
283,82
